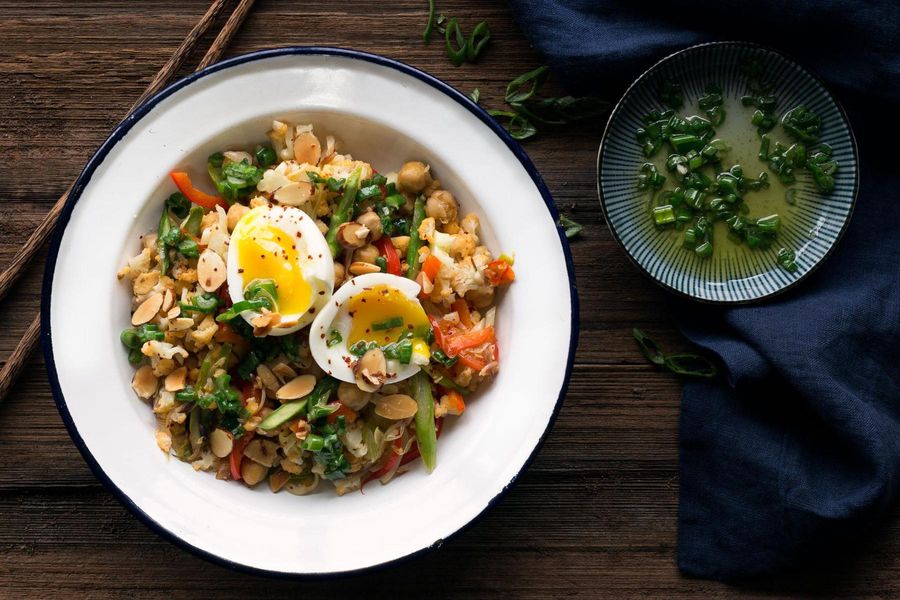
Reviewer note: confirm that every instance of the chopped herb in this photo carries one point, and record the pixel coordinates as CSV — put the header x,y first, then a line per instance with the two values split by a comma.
x,y
205,303
334,338
528,111
687,365
429,26
390,323
475,95
570,227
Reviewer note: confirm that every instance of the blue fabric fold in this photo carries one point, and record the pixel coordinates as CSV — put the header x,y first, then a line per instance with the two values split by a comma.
x,y
795,455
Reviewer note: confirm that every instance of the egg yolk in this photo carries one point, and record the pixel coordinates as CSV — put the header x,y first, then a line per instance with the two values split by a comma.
x,y
267,252
382,314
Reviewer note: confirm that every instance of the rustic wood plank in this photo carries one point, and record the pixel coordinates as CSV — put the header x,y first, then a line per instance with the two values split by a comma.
x,y
595,516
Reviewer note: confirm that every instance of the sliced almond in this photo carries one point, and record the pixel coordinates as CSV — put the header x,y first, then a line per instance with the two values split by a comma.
x,y
174,312
210,271
175,379
267,378
168,300
264,323
147,310
297,387
295,193
278,479
262,451
268,319
220,442
144,382
396,407
361,268
284,372
252,472
371,370
307,148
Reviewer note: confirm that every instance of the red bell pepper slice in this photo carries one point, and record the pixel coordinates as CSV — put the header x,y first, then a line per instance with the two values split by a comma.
x,y
237,455
454,344
462,309
431,266
386,247
183,182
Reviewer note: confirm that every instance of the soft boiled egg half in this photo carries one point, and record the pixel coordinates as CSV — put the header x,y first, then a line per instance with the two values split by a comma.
x,y
376,309
281,244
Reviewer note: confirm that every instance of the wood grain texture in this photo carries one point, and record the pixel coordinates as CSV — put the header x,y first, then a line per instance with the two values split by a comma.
x,y
595,515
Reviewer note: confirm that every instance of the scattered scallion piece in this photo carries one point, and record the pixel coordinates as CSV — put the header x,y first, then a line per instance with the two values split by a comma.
x,y
684,364
429,26
475,95
786,259
334,338
570,227
390,323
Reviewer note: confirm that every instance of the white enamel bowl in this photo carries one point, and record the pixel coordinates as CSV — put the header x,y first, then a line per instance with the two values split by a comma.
x,y
384,112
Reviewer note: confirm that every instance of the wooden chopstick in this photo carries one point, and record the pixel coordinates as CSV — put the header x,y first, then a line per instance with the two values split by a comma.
x,y
19,357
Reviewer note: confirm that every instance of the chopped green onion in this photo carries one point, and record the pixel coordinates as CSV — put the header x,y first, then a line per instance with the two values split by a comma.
x,y
429,25
570,227
334,338
786,260
475,95
663,215
688,365
456,53
266,157
382,263
390,323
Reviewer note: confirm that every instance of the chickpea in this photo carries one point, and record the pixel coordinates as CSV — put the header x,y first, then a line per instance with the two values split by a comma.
x,y
366,254
235,212
373,222
442,206
352,235
339,274
413,177
352,397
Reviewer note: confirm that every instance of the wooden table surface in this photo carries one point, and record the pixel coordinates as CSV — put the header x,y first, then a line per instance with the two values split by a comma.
x,y
594,516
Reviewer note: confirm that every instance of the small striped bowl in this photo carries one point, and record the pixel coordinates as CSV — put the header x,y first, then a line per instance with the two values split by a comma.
x,y
813,224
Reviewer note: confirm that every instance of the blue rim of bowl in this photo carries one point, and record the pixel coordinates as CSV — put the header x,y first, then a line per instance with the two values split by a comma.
x,y
123,128
837,238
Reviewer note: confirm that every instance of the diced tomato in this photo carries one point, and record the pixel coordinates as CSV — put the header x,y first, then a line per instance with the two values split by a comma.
x,y
438,333
499,272
456,403
387,250
467,358
342,411
431,266
207,201
462,309
461,341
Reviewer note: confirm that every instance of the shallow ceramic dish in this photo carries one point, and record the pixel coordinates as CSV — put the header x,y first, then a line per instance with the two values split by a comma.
x,y
386,113
812,226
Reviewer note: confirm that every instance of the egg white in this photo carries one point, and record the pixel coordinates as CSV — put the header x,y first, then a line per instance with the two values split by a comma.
x,y
337,360
314,257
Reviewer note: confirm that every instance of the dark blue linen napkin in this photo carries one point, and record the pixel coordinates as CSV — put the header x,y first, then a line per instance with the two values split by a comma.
x,y
796,454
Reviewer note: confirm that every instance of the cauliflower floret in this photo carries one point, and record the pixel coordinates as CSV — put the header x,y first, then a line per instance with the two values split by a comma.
x,y
463,245
136,265
206,462
162,350
466,277
426,229
470,225
145,282
164,402
202,336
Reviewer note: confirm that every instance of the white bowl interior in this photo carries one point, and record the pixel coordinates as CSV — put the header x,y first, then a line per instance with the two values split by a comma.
x,y
378,114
